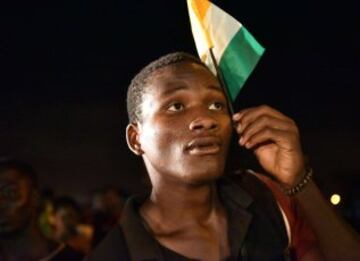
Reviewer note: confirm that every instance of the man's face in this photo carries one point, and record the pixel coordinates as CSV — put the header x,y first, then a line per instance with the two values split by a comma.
x,y
185,129
65,219
16,203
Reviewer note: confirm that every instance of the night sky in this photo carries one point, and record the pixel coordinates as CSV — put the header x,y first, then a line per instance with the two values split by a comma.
x,y
66,65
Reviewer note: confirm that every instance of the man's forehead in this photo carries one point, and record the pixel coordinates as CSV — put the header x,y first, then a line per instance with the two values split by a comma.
x,y
176,77
12,175
182,67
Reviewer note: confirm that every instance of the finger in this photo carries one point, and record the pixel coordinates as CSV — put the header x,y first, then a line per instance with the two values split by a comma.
x,y
238,128
247,116
265,121
283,139
237,116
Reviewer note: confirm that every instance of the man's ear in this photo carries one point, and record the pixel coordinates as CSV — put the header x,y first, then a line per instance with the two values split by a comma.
x,y
132,138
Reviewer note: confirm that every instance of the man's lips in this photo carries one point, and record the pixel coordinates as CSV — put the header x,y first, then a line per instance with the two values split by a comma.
x,y
204,146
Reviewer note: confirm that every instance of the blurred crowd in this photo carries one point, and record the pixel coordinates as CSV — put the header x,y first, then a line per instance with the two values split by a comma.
x,y
82,227
42,224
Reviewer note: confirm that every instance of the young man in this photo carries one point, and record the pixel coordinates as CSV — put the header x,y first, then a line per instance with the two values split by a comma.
x,y
180,126
20,237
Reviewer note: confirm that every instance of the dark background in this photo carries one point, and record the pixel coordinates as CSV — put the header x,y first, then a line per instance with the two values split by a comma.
x,y
65,67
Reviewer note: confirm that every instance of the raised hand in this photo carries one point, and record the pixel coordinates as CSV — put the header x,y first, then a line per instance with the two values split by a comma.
x,y
274,138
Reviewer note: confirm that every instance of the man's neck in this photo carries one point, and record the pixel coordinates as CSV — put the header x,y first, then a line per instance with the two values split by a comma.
x,y
175,205
189,220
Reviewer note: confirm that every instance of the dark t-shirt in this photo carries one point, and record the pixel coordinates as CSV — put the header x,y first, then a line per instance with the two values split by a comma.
x,y
256,229
68,254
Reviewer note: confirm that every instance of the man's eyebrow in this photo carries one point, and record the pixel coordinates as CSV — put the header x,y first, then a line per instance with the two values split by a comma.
x,y
6,184
215,87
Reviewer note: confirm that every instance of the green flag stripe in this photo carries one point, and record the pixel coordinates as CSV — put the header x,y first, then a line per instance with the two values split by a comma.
x,y
238,60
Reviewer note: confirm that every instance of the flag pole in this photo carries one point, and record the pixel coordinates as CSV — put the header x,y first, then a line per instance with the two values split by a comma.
x,y
222,82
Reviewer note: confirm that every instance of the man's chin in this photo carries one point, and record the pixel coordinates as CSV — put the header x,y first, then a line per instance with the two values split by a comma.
x,y
7,231
202,178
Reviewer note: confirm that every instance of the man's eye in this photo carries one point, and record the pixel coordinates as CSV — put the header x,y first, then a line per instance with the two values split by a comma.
x,y
216,106
176,107
8,192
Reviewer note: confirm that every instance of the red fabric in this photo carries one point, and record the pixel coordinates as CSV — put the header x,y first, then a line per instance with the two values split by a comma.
x,y
303,238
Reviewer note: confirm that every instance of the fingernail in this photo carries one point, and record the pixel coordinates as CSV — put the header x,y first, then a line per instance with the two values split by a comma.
x,y
241,141
239,128
236,116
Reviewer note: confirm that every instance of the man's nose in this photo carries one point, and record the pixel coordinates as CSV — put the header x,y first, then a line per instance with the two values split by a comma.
x,y
203,123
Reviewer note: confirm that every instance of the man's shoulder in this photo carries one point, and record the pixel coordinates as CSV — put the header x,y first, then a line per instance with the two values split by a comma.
x,y
250,182
112,248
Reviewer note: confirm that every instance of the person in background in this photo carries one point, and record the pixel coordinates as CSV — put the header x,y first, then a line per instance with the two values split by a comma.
x,y
68,228
20,236
45,213
107,208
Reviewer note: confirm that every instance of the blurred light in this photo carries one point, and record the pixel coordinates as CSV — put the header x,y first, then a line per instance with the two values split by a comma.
x,y
335,199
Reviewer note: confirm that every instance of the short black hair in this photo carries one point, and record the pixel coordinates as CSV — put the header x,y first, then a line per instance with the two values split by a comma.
x,y
139,82
25,169
67,202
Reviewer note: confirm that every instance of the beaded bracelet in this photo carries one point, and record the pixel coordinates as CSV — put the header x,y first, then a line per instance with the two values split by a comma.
x,y
300,185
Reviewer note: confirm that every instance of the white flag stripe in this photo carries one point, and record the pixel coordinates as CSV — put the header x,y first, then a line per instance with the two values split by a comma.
x,y
222,28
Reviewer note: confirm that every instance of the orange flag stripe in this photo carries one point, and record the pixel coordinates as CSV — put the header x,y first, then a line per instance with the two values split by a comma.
x,y
202,6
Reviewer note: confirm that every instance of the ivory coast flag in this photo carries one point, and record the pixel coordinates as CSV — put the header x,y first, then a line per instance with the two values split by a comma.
x,y
236,51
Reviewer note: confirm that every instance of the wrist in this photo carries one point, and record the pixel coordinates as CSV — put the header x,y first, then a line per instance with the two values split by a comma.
x,y
293,180
299,184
